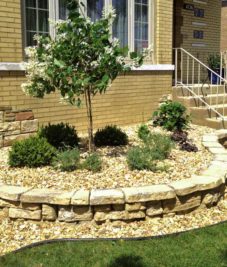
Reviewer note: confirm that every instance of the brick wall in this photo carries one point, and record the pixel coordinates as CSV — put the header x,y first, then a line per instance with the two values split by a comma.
x,y
131,99
184,27
224,27
10,31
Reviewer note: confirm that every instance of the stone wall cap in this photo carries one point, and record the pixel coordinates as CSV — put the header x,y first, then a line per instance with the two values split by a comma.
x,y
148,193
184,187
81,198
47,196
13,193
207,182
106,196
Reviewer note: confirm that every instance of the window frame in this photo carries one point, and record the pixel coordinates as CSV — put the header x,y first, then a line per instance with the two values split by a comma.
x,y
54,16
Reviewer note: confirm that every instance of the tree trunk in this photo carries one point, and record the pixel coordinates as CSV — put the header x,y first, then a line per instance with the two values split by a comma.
x,y
90,119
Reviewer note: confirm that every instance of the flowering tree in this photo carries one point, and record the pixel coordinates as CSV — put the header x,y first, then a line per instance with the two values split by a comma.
x,y
81,61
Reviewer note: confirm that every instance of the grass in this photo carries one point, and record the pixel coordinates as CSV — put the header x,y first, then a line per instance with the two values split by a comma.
x,y
202,248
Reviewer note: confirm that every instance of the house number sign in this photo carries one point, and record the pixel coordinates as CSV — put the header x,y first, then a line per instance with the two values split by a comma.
x,y
189,7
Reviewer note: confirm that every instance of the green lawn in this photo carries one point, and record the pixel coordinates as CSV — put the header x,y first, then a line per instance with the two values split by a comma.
x,y
203,248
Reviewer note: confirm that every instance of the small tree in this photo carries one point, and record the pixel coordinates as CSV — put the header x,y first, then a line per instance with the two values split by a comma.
x,y
80,62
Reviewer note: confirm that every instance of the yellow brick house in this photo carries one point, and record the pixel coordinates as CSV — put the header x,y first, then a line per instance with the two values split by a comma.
x,y
161,24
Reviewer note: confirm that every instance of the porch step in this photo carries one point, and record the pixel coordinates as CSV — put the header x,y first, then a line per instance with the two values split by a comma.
x,y
194,101
204,90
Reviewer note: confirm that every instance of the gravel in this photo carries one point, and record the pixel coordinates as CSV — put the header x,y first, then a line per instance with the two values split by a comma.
x,y
115,172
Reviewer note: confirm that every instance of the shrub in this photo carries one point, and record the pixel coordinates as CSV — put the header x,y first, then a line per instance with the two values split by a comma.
x,y
61,136
156,147
139,158
93,163
67,160
171,116
160,146
143,132
31,152
110,136
189,147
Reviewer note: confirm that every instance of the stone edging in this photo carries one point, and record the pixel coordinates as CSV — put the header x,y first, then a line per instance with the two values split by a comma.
x,y
125,204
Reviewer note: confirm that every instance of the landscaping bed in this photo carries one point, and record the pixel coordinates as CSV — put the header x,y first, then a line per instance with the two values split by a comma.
x,y
115,172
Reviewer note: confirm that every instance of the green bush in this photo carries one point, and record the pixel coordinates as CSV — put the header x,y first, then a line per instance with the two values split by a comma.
x,y
171,116
139,158
156,147
160,145
67,160
143,132
110,136
93,163
61,136
31,152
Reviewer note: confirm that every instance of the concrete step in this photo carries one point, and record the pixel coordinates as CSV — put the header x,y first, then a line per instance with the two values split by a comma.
x,y
204,112
199,90
194,101
216,123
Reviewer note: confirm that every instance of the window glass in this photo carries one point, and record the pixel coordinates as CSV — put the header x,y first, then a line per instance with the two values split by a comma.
x,y
62,10
94,9
37,15
120,25
141,25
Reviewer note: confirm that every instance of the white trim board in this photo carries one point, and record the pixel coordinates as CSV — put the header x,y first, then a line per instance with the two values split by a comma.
x,y
8,66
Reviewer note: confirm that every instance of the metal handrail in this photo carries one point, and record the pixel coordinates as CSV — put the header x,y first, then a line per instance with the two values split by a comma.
x,y
193,73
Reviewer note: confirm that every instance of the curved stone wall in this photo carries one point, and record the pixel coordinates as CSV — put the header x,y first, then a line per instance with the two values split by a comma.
x,y
125,204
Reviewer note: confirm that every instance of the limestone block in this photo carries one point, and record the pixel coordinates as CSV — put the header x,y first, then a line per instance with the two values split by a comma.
x,y
74,214
207,182
218,151
49,213
106,196
9,140
10,126
102,208
30,206
8,203
13,193
135,206
29,126
154,208
148,193
47,196
15,213
118,207
4,213
212,144
81,197
184,187
182,203
222,158
26,115
210,138
1,116
118,215
211,199
1,141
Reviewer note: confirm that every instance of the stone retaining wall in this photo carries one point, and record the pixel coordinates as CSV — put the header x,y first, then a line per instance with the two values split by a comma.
x,y
125,204
16,125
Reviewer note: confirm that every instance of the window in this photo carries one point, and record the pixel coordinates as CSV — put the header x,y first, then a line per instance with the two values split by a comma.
x,y
132,26
36,19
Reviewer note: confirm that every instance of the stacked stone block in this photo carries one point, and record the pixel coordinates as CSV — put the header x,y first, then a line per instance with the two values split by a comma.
x,y
16,125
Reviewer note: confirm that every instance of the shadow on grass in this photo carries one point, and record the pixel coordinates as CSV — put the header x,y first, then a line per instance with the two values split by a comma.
x,y
127,261
224,256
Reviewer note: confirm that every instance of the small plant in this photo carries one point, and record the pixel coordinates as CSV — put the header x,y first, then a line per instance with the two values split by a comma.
x,y
171,116
110,136
31,152
181,137
93,163
143,132
67,160
139,158
159,145
214,61
61,136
